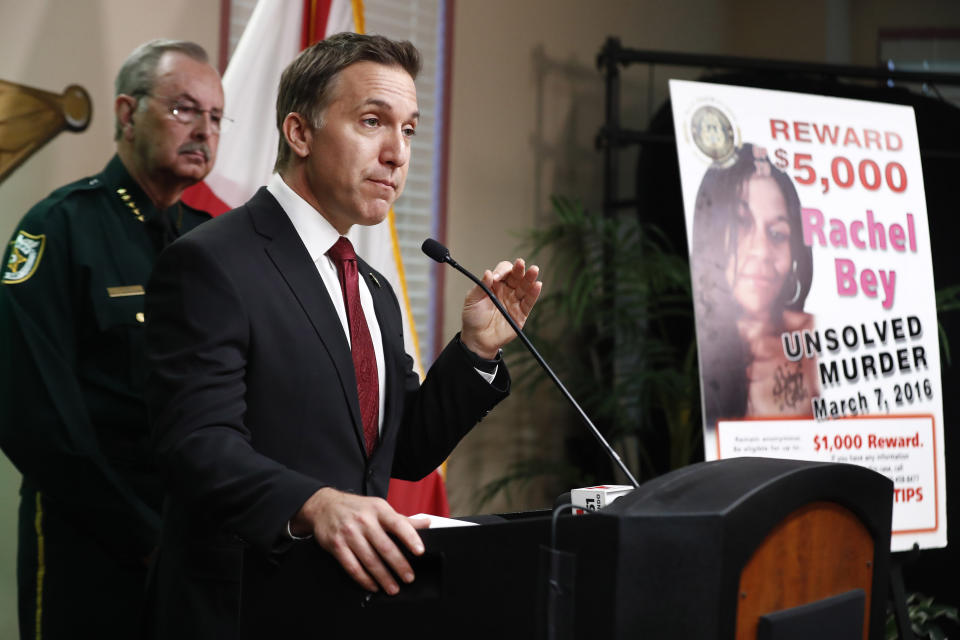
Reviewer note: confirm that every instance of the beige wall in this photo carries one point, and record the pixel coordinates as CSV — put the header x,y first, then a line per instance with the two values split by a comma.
x,y
527,101
802,30
893,14
778,30
49,44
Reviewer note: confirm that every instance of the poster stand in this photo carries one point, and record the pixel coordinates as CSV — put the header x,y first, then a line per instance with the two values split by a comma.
x,y
898,594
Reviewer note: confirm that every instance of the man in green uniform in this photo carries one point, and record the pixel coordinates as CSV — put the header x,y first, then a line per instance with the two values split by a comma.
x,y
72,417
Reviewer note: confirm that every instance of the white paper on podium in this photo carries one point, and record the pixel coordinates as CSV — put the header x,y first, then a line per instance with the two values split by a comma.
x,y
438,522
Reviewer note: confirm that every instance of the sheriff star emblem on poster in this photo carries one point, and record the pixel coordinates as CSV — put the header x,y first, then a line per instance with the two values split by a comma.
x,y
713,133
26,251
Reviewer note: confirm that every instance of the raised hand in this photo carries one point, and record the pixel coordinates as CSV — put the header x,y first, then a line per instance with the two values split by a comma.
x,y
485,331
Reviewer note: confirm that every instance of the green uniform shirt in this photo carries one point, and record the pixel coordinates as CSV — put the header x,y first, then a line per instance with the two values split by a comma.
x,y
72,416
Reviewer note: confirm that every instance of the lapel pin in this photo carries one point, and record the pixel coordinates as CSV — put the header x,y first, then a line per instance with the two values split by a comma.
x,y
375,281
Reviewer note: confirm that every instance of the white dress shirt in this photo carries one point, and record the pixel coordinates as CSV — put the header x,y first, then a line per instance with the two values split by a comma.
x,y
318,235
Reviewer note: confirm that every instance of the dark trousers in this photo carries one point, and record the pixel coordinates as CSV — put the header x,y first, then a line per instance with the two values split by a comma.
x,y
69,586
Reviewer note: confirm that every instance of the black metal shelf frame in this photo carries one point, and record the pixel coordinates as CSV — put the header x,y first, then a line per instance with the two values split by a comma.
x,y
611,137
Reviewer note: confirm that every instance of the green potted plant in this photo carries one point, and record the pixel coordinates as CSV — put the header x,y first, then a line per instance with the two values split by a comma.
x,y
616,326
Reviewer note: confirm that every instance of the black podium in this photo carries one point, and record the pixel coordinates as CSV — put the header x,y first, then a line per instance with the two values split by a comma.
x,y
742,548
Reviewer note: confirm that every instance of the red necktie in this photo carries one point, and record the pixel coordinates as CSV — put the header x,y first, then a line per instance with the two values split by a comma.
x,y
364,358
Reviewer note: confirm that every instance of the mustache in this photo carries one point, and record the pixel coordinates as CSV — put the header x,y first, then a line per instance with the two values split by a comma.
x,y
190,147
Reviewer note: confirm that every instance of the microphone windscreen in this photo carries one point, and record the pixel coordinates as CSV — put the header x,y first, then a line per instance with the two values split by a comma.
x,y
435,250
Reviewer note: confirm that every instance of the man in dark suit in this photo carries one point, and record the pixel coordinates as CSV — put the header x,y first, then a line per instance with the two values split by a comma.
x,y
281,398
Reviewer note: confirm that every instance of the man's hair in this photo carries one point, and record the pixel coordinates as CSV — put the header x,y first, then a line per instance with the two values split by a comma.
x,y
308,83
139,70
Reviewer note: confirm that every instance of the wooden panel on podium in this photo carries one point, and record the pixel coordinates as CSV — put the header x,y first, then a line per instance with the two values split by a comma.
x,y
817,551
671,559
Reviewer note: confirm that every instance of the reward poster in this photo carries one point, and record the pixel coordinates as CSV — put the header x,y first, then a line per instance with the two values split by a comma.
x,y
813,287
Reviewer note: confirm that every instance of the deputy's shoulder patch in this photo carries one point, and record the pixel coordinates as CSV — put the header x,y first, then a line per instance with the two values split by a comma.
x,y
25,253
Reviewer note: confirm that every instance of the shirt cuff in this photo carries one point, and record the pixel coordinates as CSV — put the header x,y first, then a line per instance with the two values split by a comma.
x,y
489,377
486,368
293,537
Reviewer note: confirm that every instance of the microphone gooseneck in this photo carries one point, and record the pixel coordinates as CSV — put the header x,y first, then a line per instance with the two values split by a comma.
x,y
440,253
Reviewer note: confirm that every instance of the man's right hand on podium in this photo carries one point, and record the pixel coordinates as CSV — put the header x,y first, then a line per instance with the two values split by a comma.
x,y
356,530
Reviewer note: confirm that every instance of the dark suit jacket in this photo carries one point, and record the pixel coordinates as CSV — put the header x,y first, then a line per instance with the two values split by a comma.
x,y
254,407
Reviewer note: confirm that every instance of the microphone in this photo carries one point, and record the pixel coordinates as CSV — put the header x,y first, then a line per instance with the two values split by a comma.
x,y
439,253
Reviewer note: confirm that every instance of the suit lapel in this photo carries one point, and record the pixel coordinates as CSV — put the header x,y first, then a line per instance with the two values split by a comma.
x,y
286,251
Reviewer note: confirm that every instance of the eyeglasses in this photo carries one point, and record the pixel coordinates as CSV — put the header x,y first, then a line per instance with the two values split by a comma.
x,y
187,113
